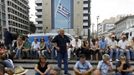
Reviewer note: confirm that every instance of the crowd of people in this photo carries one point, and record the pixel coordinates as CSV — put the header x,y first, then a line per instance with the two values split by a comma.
x,y
109,45
61,48
23,49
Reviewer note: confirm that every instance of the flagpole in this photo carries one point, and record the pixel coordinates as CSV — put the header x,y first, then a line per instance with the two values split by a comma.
x,y
68,24
69,17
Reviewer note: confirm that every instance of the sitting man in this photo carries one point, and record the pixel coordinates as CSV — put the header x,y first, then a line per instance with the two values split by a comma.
x,y
123,66
83,67
104,66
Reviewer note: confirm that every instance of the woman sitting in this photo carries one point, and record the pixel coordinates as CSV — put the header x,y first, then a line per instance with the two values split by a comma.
x,y
42,68
123,66
18,49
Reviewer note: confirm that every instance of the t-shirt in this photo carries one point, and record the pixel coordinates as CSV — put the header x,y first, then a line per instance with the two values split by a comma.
x,y
42,69
83,66
36,45
112,44
103,67
26,44
125,66
122,44
61,42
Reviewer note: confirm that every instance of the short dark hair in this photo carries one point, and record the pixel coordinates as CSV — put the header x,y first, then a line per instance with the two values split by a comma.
x,y
82,56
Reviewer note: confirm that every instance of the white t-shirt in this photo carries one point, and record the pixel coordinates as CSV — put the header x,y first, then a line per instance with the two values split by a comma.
x,y
122,44
108,40
83,67
112,44
35,46
76,44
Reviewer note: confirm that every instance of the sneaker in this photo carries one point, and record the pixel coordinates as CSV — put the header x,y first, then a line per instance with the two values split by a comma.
x,y
117,59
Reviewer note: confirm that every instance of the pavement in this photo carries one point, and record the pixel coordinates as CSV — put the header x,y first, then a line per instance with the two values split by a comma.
x,y
32,72
29,64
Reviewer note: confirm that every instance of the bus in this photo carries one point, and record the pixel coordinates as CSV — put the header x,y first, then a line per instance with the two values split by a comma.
x,y
46,36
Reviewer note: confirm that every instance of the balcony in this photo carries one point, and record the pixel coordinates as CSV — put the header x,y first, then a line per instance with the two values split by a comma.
x,y
38,13
38,19
85,5
85,18
39,31
85,24
85,11
38,1
38,7
39,25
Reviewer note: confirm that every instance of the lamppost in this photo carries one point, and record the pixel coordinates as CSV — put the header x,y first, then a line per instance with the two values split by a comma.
x,y
93,30
97,23
89,20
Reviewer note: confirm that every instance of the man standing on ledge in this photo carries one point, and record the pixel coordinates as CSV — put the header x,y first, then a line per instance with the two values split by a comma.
x,y
62,42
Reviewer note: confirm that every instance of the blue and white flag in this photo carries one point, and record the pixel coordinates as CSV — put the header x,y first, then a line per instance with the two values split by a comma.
x,y
63,11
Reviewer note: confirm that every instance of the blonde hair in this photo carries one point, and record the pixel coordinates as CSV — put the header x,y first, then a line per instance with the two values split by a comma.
x,y
105,57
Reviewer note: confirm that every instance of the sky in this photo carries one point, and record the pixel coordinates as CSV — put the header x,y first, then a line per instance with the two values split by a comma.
x,y
102,8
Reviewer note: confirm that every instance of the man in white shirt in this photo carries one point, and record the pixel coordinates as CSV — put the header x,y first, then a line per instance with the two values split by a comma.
x,y
122,44
76,45
113,47
104,66
35,48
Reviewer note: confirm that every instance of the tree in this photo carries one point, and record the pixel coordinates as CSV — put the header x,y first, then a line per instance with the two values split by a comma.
x,y
32,27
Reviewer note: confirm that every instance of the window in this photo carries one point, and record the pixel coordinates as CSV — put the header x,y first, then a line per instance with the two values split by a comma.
x,y
39,28
3,16
39,22
130,33
39,10
39,16
39,4
2,1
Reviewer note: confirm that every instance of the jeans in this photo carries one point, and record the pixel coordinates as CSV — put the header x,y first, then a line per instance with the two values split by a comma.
x,y
53,53
127,52
69,52
25,54
34,53
132,54
112,51
128,73
63,56
46,53
18,53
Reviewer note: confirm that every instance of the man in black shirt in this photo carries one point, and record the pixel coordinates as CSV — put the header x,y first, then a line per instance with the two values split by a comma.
x,y
61,44
123,67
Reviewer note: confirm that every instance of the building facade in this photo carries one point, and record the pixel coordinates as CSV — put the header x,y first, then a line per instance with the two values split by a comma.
x,y
39,19
72,15
2,17
85,17
17,16
108,25
124,24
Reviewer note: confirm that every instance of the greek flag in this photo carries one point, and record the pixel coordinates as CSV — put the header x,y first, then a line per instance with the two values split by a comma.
x,y
63,11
